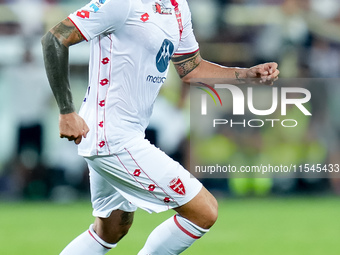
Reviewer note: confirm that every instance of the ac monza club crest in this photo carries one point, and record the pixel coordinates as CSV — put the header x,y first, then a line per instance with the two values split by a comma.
x,y
177,186
159,7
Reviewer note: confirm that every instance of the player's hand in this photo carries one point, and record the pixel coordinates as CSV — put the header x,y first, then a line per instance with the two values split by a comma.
x,y
264,73
72,127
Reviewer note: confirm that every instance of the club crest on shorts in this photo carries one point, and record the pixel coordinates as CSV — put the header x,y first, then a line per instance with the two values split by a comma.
x,y
177,186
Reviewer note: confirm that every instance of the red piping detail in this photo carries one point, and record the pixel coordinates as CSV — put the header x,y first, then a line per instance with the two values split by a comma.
x,y
150,178
187,53
133,175
97,102
178,17
107,144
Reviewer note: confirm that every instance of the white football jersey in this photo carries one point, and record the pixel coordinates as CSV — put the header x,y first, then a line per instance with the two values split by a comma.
x,y
132,42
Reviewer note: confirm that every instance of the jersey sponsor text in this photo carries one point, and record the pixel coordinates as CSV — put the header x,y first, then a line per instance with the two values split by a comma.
x,y
155,79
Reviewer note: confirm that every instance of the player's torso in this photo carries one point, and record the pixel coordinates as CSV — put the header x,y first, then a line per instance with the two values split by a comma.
x,y
153,29
144,44
127,69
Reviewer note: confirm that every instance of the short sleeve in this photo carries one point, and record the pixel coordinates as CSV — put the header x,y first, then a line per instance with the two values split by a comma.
x,y
100,17
188,43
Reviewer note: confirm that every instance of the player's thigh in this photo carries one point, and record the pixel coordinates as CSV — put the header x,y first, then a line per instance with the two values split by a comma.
x,y
202,210
105,198
147,177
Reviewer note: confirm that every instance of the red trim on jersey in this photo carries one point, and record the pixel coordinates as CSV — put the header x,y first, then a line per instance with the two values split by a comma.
x,y
186,53
97,102
174,3
98,241
178,17
184,230
78,29
107,91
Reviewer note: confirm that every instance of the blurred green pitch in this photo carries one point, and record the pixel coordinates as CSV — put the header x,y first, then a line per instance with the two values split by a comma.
x,y
275,226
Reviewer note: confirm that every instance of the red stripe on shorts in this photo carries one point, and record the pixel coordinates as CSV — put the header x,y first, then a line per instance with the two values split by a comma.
x,y
150,178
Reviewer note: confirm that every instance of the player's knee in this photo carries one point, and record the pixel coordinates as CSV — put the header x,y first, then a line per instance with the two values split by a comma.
x,y
123,232
208,216
114,228
202,210
212,214
113,234
123,227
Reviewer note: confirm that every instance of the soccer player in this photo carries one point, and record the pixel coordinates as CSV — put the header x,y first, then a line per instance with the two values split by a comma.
x,y
132,42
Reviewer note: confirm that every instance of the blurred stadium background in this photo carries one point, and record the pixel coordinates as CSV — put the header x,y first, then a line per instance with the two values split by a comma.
x,y
38,170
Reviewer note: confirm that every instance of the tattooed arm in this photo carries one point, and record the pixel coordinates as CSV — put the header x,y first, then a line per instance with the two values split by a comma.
x,y
193,66
56,50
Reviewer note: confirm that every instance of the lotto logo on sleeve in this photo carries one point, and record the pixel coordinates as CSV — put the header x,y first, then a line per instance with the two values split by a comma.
x,y
83,14
164,55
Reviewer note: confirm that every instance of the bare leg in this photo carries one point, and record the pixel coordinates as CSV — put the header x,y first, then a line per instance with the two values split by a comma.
x,y
179,232
115,227
102,235
202,210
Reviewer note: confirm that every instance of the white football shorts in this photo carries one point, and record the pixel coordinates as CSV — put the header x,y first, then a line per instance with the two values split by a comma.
x,y
139,176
